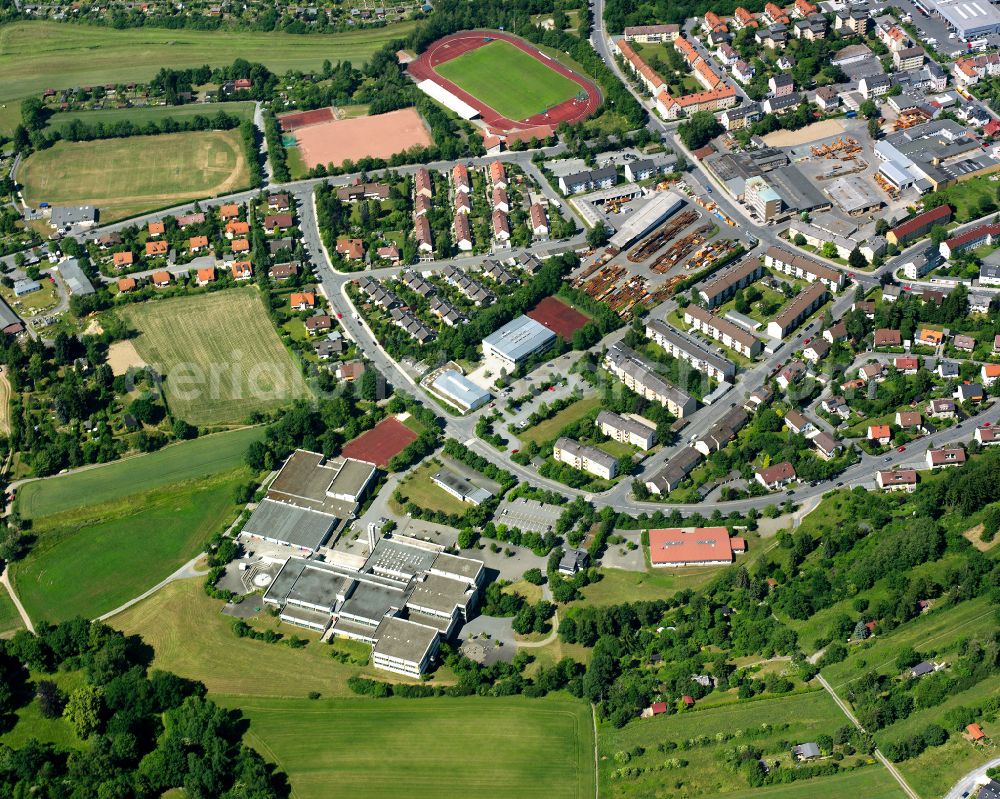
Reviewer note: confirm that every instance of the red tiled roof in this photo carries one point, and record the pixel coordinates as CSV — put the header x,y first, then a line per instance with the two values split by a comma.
x,y
675,545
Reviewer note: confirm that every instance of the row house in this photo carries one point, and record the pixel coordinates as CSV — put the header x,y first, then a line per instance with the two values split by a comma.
x,y
742,116
804,268
743,19
722,330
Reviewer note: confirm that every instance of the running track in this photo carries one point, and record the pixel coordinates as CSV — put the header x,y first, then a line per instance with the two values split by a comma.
x,y
541,125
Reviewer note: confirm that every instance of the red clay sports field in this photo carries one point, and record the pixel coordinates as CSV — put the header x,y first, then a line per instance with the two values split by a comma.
x,y
541,125
380,444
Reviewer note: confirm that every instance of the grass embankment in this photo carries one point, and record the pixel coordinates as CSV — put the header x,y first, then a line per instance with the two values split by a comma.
x,y
795,719
144,115
548,430
91,560
191,638
936,635
187,460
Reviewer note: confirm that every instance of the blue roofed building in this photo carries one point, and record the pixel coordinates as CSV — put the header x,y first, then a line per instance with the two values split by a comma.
x,y
457,390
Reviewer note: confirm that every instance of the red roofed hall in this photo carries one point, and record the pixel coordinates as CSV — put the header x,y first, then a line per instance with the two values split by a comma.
x,y
695,546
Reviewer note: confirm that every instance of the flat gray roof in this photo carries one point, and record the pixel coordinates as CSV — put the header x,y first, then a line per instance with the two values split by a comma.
x,y
372,602
316,586
396,557
659,207
454,564
438,593
306,479
404,640
290,524
309,582
459,388
76,280
519,338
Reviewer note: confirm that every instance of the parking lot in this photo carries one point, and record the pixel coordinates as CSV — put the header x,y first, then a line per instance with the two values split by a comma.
x,y
528,515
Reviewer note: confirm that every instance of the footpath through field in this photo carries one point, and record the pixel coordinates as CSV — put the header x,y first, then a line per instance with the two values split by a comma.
x,y
881,758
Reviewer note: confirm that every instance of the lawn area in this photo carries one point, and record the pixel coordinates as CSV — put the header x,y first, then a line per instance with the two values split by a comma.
x,y
220,354
419,489
508,80
10,619
124,177
933,632
769,299
89,562
793,718
296,165
37,302
466,746
187,460
549,429
181,613
145,115
870,783
966,196
35,56
616,448
30,723
617,586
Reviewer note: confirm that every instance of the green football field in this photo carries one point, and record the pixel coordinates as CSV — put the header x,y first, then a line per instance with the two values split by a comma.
x,y
123,177
508,80
426,748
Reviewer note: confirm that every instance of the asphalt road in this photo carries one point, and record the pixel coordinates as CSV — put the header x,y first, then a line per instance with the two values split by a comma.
x,y
333,286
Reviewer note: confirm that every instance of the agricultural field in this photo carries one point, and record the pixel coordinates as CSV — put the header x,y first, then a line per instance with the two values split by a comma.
x,y
220,355
187,460
792,719
35,56
90,561
143,116
123,177
467,746
508,80
180,613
